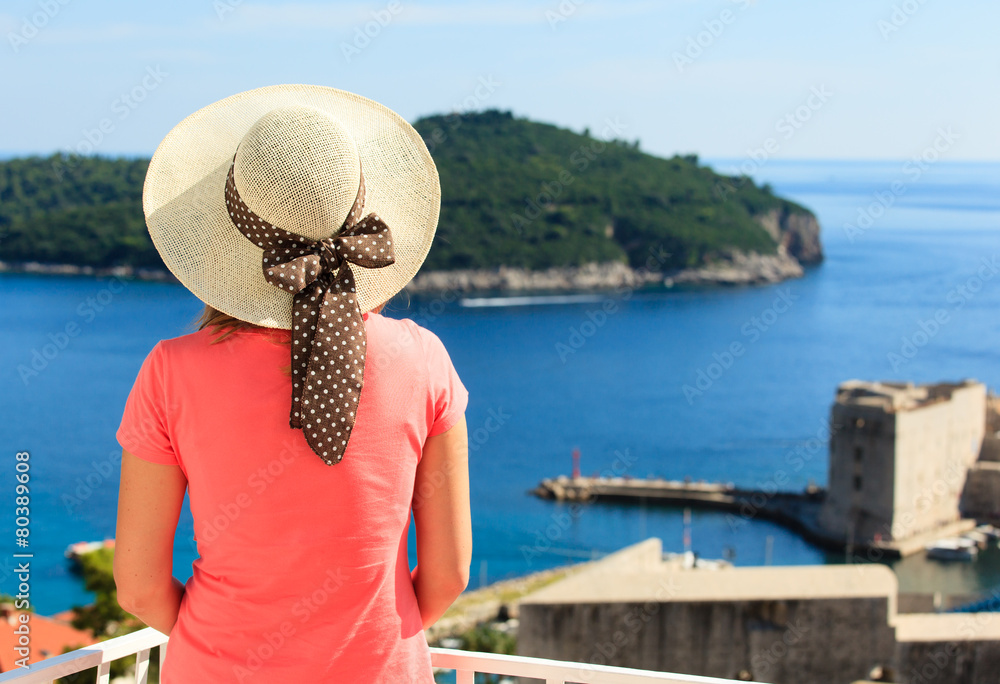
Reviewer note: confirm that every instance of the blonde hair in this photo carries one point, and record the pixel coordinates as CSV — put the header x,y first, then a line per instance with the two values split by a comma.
x,y
224,325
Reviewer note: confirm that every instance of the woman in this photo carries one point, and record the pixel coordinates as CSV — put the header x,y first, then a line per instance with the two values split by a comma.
x,y
294,213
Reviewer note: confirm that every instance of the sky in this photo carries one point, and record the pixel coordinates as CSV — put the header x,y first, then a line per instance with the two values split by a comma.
x,y
789,79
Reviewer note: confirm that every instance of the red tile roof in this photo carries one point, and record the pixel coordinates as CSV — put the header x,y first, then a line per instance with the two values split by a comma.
x,y
49,636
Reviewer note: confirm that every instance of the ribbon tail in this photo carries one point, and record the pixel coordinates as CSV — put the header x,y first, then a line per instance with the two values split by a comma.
x,y
335,371
305,315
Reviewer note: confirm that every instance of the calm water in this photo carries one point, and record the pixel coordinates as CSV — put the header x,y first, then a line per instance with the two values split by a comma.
x,y
550,376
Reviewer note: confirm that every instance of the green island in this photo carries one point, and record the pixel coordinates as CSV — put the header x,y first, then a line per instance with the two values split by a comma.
x,y
515,194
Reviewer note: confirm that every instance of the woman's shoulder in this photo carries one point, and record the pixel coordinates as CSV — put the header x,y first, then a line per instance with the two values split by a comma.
x,y
186,343
206,344
200,339
403,330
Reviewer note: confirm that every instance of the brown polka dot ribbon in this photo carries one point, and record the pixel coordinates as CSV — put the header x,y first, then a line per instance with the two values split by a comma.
x,y
328,331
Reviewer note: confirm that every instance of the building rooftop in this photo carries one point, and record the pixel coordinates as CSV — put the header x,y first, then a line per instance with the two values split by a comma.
x,y
897,396
639,574
49,636
937,627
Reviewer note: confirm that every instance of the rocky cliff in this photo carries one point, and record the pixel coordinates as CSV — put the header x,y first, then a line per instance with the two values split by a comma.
x,y
797,235
797,232
735,268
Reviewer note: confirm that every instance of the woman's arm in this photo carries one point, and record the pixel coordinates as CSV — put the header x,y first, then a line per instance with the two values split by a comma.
x,y
149,505
443,522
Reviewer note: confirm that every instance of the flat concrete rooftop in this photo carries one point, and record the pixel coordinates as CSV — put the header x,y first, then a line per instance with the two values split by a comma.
x,y
639,574
935,627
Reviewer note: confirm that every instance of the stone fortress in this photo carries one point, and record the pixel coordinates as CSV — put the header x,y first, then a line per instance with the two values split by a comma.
x,y
909,464
822,624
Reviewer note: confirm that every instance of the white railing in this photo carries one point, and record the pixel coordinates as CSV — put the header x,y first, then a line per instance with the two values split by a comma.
x,y
99,655
465,664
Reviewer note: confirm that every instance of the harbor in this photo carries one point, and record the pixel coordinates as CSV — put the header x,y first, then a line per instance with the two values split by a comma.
x,y
798,511
911,470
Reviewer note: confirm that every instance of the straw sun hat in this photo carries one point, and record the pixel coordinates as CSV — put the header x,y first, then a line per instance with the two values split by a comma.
x,y
297,207
297,153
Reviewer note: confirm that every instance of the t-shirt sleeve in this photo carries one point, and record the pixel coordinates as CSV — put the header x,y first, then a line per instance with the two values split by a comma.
x,y
448,396
144,428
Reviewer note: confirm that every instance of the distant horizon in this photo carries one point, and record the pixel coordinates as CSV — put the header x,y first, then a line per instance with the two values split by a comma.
x,y
853,80
6,155
747,156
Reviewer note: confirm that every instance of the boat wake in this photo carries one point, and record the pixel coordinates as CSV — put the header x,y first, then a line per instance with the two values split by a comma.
x,y
473,302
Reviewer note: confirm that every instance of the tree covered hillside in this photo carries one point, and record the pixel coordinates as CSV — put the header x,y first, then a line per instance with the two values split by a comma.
x,y
522,193
515,192
85,211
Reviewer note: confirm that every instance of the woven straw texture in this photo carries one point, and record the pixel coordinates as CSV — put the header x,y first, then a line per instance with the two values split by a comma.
x,y
298,149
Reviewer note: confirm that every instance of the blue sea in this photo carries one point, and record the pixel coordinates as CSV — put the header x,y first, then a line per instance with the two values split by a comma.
x,y
643,383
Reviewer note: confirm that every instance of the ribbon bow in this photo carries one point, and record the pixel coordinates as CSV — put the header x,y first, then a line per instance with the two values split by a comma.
x,y
328,331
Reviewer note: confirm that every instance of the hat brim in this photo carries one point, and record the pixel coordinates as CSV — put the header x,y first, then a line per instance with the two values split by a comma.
x,y
184,200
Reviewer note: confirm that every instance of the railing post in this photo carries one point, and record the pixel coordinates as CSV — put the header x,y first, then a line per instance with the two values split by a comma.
x,y
104,673
142,667
465,677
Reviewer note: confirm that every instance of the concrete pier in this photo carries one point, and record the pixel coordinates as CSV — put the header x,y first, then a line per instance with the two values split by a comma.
x,y
672,492
798,511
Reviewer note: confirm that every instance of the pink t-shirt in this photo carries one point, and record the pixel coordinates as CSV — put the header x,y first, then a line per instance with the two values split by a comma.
x,y
303,572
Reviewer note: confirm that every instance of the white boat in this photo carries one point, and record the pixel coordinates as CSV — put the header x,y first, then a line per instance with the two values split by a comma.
x,y
990,531
980,539
954,548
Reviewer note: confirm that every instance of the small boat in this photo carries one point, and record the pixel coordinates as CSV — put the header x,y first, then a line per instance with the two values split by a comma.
x,y
954,548
990,531
980,539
